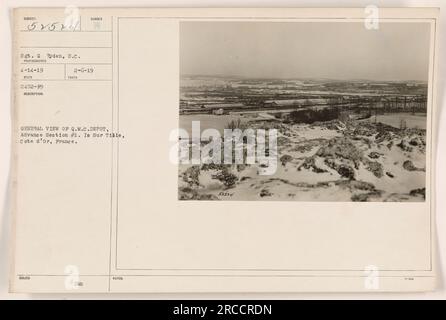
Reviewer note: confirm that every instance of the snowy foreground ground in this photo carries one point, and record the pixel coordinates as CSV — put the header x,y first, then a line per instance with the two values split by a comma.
x,y
328,161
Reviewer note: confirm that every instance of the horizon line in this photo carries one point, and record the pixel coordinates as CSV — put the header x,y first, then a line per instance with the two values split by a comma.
x,y
297,78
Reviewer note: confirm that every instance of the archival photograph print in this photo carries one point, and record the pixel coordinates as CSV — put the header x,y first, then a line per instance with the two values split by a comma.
x,y
321,111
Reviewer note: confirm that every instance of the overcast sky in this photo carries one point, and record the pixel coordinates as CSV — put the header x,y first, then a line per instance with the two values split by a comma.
x,y
334,50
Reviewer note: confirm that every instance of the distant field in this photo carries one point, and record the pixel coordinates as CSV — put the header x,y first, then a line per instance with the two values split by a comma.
x,y
207,121
394,119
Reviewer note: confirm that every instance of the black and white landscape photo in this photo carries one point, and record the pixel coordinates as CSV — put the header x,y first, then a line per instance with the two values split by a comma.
x,y
349,105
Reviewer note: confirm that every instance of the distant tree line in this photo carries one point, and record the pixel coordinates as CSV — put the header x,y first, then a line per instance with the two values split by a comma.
x,y
310,116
